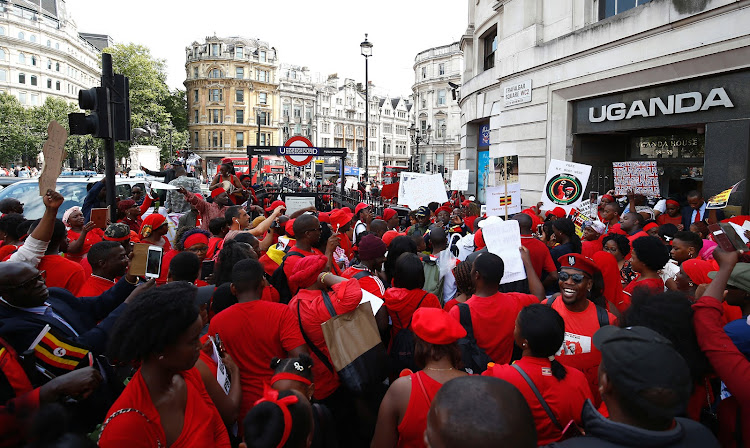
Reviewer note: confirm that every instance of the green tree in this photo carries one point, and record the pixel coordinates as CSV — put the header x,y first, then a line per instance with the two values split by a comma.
x,y
176,105
14,137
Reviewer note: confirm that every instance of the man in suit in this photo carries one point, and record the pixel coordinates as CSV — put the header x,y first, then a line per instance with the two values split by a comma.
x,y
696,210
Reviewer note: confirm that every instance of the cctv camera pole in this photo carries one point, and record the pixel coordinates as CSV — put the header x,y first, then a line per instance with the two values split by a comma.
x,y
109,143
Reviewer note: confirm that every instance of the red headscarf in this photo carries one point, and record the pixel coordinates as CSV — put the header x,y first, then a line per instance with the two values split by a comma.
x,y
607,265
152,221
698,270
308,269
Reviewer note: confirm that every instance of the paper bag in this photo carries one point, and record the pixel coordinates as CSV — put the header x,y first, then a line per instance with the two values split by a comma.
x,y
140,257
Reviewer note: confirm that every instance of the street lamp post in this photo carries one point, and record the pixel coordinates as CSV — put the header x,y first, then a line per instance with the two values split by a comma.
x,y
366,48
417,137
443,127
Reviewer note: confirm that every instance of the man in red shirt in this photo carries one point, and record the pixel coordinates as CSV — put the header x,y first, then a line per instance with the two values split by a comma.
x,y
632,223
541,260
372,256
581,316
61,272
255,331
493,313
108,261
307,234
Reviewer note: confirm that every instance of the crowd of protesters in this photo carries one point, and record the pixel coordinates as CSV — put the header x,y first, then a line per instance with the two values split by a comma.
x,y
630,331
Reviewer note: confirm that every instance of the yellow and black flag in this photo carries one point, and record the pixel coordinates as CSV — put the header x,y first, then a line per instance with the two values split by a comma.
x,y
55,355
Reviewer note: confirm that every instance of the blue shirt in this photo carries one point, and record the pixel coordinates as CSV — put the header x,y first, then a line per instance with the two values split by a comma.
x,y
739,332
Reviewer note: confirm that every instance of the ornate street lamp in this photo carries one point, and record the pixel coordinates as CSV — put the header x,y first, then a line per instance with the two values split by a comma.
x,y
419,136
366,48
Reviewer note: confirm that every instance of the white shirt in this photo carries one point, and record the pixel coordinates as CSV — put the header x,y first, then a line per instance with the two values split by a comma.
x,y
30,252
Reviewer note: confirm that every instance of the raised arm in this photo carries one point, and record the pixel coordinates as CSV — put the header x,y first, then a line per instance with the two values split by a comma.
x,y
535,285
33,249
263,227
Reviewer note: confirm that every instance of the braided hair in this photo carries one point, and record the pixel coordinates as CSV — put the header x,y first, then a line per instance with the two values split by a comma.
x,y
462,273
544,329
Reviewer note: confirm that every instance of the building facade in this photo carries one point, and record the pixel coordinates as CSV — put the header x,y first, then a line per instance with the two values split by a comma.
x,y
437,74
232,91
42,54
298,100
602,81
391,131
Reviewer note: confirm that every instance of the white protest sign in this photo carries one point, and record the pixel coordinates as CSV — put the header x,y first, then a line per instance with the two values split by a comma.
x,y
498,199
375,301
404,177
423,190
504,240
565,184
221,370
162,186
641,177
584,207
460,180
295,203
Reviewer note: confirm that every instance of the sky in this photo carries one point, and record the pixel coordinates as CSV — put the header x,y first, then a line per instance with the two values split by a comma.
x,y
323,35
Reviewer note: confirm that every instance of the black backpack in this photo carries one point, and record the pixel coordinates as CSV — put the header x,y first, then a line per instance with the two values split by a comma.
x,y
601,312
402,349
475,359
280,282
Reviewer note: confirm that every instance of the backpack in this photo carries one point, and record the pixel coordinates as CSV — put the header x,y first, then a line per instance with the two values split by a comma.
x,y
475,359
601,312
280,282
402,349
433,282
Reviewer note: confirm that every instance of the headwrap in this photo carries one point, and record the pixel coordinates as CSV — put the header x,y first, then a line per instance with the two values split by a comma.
x,y
608,196
598,226
307,270
324,217
371,247
195,238
125,204
443,209
118,231
672,202
69,212
389,213
272,396
217,192
289,228
436,326
290,376
698,270
649,226
152,221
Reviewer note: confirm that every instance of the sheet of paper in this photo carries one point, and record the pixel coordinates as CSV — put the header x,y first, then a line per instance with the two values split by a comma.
x,y
423,190
746,225
740,231
504,240
54,154
375,301
294,203
404,177
460,180
221,370
162,186
498,199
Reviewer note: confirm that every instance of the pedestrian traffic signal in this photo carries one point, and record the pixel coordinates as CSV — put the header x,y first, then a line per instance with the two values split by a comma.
x,y
120,103
98,122
429,166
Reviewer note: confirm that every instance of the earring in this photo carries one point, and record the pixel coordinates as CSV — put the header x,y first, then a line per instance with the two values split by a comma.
x,y
161,357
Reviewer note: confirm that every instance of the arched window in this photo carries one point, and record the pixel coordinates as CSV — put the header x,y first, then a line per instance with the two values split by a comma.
x,y
33,60
2,31
21,58
49,43
21,35
57,66
49,64
2,54
32,38
57,85
215,73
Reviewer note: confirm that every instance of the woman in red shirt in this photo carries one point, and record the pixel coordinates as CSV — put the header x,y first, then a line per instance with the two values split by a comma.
x,y
153,231
649,256
672,216
165,403
402,418
80,237
540,332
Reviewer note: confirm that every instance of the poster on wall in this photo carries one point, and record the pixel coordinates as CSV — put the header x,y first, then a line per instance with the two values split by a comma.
x,y
641,177
504,167
484,174
484,136
498,199
565,184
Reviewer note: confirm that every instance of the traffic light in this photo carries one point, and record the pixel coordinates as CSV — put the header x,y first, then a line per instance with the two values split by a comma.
x,y
98,122
429,166
120,102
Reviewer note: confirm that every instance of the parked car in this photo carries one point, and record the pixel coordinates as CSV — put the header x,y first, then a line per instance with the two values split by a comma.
x,y
73,190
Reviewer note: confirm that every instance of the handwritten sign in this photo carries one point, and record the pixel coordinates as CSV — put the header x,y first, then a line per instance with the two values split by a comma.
x,y
498,199
423,190
404,177
460,180
54,153
295,203
641,177
504,240
565,184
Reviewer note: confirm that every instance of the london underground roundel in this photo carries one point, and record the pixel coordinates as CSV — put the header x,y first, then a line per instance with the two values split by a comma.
x,y
301,156
564,189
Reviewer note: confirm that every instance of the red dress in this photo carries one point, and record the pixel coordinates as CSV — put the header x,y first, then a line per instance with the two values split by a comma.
x,y
202,425
413,424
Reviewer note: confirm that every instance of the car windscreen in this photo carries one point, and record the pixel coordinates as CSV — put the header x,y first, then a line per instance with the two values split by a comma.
x,y
33,207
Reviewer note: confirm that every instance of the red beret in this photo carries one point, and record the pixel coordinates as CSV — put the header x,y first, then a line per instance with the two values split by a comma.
x,y
390,235
289,228
578,261
217,192
389,213
436,326
650,226
324,217
443,209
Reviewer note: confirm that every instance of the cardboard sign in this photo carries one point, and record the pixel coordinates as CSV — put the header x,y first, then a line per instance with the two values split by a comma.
x,y
640,177
504,240
423,190
578,219
498,200
565,184
54,154
99,217
460,180
721,200
140,258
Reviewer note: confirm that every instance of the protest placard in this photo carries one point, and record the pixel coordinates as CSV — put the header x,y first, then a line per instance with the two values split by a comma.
x,y
578,219
423,190
404,177
498,199
640,177
504,240
295,203
54,153
460,180
721,200
565,184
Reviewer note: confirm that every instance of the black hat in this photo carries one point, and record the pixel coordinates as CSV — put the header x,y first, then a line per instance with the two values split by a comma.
x,y
637,359
176,163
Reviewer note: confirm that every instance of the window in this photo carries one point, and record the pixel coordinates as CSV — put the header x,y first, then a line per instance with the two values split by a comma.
x,y
262,56
216,139
33,60
22,97
22,78
424,101
2,54
49,64
285,110
339,130
439,131
195,116
262,97
326,111
21,35
215,95
195,137
216,115
264,118
239,95
2,31
34,99
325,141
57,66
609,8
21,58
215,73
195,95
265,139
326,128
2,75
240,139
262,75
57,85
441,97
239,72
490,45
57,45
32,39
49,43
195,72
424,72
297,112
387,128
338,113
33,80
239,52
214,49
240,116
441,69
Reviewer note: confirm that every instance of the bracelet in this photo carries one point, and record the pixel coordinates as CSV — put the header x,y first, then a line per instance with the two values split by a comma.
x,y
323,276
132,283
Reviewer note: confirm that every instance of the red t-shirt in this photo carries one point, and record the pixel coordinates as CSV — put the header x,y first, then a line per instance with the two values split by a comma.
x,y
370,283
635,236
91,239
345,297
401,304
254,333
541,259
666,219
213,242
654,285
565,397
62,273
493,319
589,248
291,262
578,350
95,286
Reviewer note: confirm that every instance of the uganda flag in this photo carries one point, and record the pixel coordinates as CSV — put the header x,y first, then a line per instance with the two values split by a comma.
x,y
505,200
57,356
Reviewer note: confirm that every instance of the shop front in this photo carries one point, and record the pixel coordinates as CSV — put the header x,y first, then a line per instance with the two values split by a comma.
x,y
697,130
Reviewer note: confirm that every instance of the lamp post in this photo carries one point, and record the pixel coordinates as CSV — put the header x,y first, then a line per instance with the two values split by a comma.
x,y
417,137
259,165
443,127
366,48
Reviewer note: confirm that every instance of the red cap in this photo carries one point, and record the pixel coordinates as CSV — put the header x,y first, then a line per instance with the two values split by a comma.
x,y
466,203
390,235
444,209
275,204
340,218
289,228
361,206
389,213
578,261
557,211
324,217
226,160
436,326
217,192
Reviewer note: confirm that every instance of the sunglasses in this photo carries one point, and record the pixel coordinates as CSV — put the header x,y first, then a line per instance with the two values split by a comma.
x,y
564,276
41,275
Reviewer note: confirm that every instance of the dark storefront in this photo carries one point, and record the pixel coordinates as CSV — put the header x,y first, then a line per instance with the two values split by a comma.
x,y
697,130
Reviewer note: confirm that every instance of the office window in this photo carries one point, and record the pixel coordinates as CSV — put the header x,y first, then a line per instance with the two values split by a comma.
x,y
439,131
214,49
262,56
441,69
215,73
49,43
21,58
33,80
262,75
195,95
195,139
609,8
265,139
262,97
22,78
57,66
326,128
239,95
240,139
21,35
2,75
22,97
239,72
195,116
214,139
49,64
264,118
239,52
216,115
34,99
195,72
240,116
325,141
49,83
215,95
424,72
285,110
441,97
297,112
490,46
387,128
57,45
57,85
2,31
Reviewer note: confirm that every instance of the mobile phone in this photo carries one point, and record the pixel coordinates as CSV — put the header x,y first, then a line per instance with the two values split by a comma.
x,y
207,268
593,196
722,237
153,262
219,344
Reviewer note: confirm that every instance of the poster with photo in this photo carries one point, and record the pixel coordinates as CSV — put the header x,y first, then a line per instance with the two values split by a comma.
x,y
565,184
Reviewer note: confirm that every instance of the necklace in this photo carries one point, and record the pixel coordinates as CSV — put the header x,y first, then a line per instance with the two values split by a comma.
x,y
441,370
